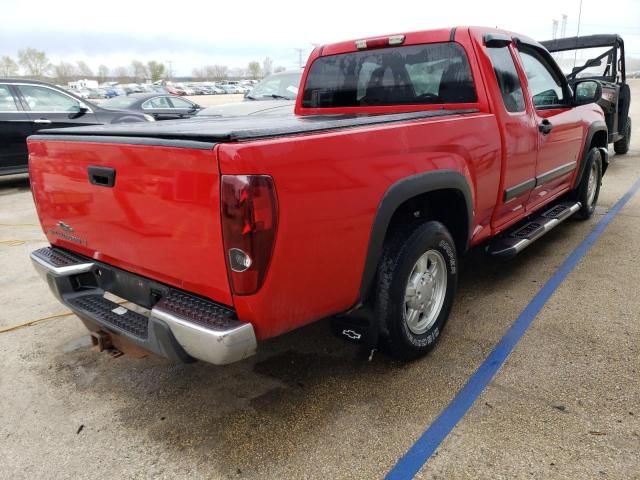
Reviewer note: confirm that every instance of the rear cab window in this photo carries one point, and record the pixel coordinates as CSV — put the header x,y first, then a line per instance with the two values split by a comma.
x,y
432,73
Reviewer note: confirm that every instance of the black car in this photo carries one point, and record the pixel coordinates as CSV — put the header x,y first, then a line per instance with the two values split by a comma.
x,y
161,106
602,58
28,106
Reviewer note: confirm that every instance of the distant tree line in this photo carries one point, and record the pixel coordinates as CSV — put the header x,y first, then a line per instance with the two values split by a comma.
x,y
35,63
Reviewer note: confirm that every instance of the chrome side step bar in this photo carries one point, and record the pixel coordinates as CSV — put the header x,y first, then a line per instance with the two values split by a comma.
x,y
512,243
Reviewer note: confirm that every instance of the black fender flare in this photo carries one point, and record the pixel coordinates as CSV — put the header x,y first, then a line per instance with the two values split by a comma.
x,y
396,195
597,126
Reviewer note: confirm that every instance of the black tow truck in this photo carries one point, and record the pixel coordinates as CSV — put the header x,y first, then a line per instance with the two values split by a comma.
x,y
599,57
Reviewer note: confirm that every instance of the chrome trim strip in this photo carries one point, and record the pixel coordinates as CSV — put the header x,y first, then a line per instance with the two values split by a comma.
x,y
517,190
555,173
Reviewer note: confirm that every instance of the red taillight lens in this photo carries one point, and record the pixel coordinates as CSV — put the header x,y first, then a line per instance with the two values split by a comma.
x,y
249,220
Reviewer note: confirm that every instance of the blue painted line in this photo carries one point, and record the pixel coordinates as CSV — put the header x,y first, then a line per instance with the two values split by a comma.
x,y
431,439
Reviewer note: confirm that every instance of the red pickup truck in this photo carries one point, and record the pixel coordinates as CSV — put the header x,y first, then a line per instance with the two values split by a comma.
x,y
404,151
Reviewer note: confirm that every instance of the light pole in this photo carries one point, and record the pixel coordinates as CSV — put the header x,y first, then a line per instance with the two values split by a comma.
x,y
170,62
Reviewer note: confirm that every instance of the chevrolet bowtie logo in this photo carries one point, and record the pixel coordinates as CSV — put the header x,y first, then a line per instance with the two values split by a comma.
x,y
351,334
64,226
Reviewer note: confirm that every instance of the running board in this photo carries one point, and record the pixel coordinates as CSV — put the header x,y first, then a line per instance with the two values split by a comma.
x,y
510,244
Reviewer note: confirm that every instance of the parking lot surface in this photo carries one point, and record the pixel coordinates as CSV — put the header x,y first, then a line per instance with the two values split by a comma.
x,y
566,404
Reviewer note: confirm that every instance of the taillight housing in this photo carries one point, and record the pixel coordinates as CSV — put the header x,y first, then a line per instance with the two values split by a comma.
x,y
249,210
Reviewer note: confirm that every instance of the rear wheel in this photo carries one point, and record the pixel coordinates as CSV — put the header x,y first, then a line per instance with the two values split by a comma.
x,y
622,146
417,281
588,191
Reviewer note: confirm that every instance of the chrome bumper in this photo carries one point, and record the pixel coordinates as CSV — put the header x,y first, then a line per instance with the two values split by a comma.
x,y
201,328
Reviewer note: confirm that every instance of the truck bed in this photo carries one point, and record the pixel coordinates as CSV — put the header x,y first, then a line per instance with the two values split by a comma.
x,y
222,130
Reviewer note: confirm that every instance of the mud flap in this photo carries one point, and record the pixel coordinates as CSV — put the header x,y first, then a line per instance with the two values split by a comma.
x,y
358,327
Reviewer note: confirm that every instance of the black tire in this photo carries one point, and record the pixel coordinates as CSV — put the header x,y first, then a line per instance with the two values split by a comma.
x,y
581,193
622,146
400,255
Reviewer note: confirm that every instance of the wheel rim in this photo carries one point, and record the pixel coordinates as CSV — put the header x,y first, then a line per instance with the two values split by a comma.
x,y
593,183
425,292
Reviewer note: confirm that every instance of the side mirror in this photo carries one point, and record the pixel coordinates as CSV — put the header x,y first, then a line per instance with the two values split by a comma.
x,y
81,110
586,91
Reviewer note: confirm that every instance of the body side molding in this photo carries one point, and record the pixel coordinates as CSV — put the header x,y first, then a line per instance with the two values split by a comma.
x,y
555,173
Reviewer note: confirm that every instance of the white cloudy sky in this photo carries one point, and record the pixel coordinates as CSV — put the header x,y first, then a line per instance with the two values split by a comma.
x,y
195,33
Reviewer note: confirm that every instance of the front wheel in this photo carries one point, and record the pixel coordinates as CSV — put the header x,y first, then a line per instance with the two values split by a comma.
x,y
588,190
417,280
622,146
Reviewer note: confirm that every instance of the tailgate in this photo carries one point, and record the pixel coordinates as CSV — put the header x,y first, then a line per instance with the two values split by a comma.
x,y
159,219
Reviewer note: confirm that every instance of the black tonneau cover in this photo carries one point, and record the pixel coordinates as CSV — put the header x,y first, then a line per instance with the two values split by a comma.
x,y
202,132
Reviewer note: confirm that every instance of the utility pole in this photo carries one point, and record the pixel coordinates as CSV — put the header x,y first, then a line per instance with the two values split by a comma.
x,y
575,52
170,62
300,52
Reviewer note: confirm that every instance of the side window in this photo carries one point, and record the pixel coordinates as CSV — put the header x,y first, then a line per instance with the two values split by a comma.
x,y
507,78
545,87
181,103
7,102
158,102
43,99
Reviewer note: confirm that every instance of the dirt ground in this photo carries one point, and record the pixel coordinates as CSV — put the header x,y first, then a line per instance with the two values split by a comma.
x,y
565,405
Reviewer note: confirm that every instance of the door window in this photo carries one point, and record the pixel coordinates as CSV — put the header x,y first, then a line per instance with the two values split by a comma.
x,y
157,102
507,78
47,100
544,85
7,102
181,103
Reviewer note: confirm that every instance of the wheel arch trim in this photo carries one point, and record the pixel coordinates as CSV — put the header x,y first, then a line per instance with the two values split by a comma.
x,y
397,194
595,127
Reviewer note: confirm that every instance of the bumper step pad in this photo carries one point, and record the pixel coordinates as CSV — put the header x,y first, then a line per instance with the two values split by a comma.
x,y
107,312
58,258
198,310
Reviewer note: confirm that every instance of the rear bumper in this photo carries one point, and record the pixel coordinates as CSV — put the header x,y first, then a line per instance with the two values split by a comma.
x,y
175,324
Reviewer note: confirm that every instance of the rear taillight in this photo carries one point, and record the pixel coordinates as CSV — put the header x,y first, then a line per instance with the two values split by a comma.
x,y
249,220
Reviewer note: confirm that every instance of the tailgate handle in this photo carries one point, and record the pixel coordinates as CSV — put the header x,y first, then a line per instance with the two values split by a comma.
x,y
102,176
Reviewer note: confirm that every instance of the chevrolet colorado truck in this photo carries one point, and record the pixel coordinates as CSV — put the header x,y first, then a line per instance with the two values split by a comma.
x,y
404,152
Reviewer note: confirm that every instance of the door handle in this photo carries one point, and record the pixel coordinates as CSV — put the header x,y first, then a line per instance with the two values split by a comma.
x,y
545,126
42,121
102,176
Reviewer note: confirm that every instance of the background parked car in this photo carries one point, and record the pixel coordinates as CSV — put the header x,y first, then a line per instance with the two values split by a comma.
x,y
159,106
230,89
96,93
274,95
28,106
